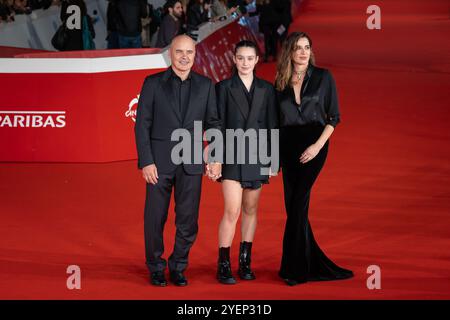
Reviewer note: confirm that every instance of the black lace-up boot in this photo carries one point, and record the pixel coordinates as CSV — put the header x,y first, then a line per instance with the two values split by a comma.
x,y
224,274
245,255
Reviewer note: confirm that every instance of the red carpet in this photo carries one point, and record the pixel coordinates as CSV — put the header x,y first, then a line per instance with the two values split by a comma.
x,y
382,198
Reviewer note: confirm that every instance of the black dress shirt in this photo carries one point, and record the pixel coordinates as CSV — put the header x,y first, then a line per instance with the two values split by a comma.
x,y
248,94
181,91
318,101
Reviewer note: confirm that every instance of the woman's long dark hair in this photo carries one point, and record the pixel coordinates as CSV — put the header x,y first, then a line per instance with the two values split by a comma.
x,y
284,65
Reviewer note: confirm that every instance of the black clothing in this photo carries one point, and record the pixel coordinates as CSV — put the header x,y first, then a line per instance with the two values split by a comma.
x,y
181,90
253,184
269,21
158,279
245,257
5,12
75,36
112,16
318,101
167,31
158,115
237,113
39,4
302,259
283,10
300,127
187,199
128,16
224,273
196,15
248,93
268,15
241,3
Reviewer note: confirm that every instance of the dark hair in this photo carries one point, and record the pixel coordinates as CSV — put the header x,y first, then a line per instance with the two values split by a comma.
x,y
246,44
284,64
171,4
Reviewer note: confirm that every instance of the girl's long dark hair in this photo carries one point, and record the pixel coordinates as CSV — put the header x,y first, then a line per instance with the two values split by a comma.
x,y
244,44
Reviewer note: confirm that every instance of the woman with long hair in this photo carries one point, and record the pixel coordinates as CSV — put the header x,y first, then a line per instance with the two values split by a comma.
x,y
309,113
247,104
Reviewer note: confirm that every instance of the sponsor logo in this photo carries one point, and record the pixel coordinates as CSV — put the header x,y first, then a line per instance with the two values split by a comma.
x,y
32,119
132,109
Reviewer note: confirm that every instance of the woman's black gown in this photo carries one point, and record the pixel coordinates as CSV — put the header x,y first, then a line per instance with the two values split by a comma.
x,y
301,126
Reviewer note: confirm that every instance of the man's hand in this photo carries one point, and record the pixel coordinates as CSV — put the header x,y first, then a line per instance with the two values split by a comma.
x,y
150,174
214,170
272,174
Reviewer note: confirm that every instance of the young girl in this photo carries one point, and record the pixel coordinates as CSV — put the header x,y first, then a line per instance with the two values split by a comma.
x,y
245,103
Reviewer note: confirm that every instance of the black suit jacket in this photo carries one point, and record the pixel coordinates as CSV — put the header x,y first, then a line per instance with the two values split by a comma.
x,y
158,116
235,113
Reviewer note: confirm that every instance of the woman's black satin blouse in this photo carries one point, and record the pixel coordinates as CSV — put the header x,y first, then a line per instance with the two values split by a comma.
x,y
318,104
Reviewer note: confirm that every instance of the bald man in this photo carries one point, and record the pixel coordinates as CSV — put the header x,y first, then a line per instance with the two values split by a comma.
x,y
171,100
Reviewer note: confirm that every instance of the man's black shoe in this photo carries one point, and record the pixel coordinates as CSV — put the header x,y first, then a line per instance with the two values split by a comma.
x,y
178,278
158,279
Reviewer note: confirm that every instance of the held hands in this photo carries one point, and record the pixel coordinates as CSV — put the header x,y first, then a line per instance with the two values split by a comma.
x,y
310,153
272,174
150,174
214,170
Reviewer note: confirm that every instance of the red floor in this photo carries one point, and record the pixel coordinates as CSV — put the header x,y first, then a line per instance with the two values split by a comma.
x,y
382,199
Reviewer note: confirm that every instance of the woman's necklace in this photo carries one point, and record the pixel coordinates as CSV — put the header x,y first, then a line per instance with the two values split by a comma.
x,y
300,74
